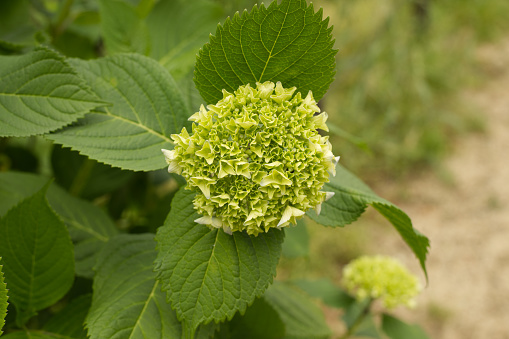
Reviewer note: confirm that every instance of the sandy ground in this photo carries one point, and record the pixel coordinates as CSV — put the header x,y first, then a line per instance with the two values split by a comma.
x,y
467,221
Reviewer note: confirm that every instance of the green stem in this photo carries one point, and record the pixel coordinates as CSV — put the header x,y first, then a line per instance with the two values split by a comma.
x,y
188,330
360,318
63,13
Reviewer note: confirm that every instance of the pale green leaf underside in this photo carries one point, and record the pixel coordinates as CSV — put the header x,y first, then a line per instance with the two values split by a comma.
x,y
123,30
302,318
39,93
288,42
89,226
178,29
3,298
147,108
351,199
128,301
37,255
208,274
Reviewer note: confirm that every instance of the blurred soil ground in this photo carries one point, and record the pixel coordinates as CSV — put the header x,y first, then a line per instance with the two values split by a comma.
x,y
466,218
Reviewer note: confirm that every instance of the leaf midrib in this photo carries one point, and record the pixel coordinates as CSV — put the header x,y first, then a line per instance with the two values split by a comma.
x,y
274,45
149,130
51,97
150,297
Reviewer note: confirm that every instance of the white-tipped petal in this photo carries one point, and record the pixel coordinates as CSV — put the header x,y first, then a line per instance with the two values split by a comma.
x,y
288,213
198,116
318,209
211,221
206,220
286,216
319,121
227,230
329,195
173,167
265,89
168,155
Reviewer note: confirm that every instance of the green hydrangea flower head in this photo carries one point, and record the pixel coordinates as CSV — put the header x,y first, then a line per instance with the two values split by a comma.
x,y
380,277
255,158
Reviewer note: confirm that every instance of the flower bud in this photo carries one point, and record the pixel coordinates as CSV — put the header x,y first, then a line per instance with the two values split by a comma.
x,y
380,277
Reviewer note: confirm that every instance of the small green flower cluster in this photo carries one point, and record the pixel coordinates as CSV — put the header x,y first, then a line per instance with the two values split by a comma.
x,y
380,277
255,158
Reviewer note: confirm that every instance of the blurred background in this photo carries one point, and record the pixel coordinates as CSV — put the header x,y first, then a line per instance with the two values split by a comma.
x,y
419,110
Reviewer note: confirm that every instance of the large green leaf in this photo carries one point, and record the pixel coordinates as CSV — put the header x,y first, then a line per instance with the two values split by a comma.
x,y
37,255
302,318
123,28
178,29
172,32
89,226
39,93
128,301
70,321
208,274
3,298
285,42
147,108
352,196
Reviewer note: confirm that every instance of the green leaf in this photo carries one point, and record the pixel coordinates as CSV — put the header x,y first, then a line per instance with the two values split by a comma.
x,y
90,228
122,28
178,29
247,326
128,301
16,28
75,45
328,292
397,329
296,241
288,42
37,256
368,328
70,321
352,196
208,274
39,93
3,299
147,108
85,177
302,318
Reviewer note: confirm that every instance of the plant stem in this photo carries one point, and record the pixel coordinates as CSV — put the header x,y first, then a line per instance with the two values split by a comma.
x,y
360,318
188,331
63,13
